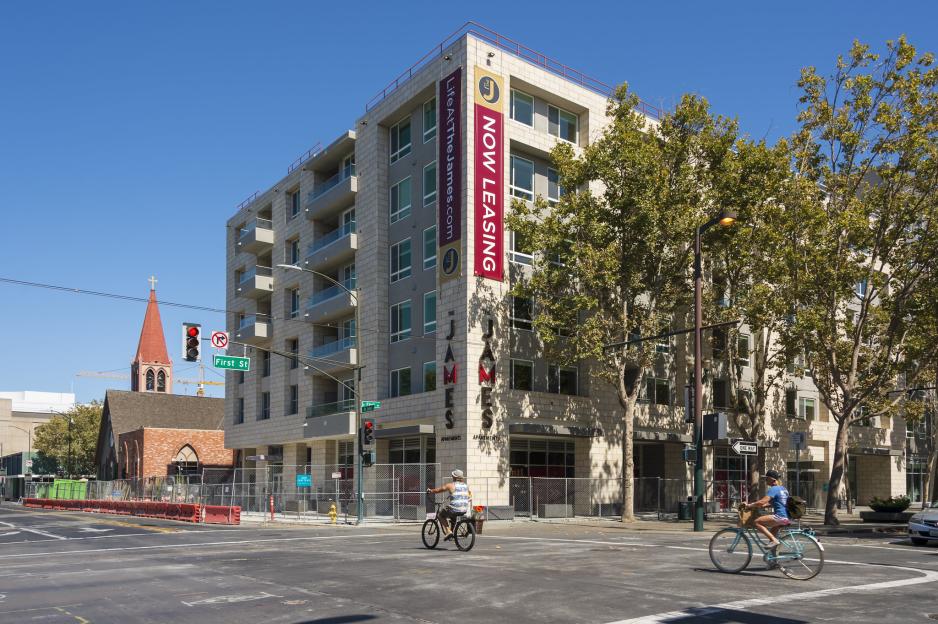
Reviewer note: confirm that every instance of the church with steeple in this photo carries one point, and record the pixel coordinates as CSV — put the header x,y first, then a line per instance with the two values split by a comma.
x,y
152,368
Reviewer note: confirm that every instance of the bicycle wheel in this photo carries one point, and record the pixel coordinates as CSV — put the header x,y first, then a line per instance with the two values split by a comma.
x,y
799,557
730,550
465,535
430,534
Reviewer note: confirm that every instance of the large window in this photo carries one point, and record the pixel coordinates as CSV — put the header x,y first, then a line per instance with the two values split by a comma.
x,y
404,451
915,477
742,350
542,458
294,201
345,458
562,124
791,403
429,184
294,400
522,375
429,248
562,379
522,108
400,382
400,140
720,393
521,250
265,363
161,381
400,200
400,321
657,391
400,260
429,376
521,317
294,302
429,312
554,190
429,120
522,178
293,346
264,414
293,251
806,409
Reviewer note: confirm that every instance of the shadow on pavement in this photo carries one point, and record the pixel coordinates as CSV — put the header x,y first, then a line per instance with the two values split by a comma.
x,y
709,614
340,619
765,573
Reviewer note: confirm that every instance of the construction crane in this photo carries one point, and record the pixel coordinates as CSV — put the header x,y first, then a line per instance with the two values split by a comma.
x,y
186,382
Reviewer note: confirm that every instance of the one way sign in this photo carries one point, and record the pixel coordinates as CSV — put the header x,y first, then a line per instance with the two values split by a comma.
x,y
743,447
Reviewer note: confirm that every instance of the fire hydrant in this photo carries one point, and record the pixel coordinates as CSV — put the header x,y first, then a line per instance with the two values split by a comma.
x,y
333,514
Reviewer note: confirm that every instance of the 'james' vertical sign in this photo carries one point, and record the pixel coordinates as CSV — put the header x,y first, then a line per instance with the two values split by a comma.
x,y
489,175
449,171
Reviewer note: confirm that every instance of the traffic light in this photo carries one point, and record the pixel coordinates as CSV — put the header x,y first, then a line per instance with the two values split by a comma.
x,y
367,438
192,342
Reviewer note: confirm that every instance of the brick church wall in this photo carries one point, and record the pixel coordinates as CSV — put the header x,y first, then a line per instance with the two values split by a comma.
x,y
160,446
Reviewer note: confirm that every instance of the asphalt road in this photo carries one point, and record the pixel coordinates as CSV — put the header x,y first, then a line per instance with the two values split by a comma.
x,y
73,567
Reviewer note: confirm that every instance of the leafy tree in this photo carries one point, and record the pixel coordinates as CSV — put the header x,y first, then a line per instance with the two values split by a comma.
x,y
867,141
52,438
616,256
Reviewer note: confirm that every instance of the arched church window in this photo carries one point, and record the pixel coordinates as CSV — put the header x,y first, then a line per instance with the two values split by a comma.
x,y
150,380
186,461
161,381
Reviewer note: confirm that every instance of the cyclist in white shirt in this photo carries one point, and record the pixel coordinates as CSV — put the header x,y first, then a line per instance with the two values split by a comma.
x,y
458,503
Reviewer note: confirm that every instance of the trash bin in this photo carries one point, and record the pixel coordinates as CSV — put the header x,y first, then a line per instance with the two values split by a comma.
x,y
684,510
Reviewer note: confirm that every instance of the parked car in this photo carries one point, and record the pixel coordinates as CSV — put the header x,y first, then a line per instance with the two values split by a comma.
x,y
923,526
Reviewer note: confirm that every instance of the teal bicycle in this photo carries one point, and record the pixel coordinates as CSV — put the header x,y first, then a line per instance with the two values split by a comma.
x,y
799,556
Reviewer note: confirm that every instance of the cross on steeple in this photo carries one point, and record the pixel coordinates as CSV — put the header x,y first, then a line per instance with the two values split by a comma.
x,y
152,281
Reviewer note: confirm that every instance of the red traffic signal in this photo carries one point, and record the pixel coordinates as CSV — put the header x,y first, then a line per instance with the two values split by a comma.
x,y
193,331
368,432
191,342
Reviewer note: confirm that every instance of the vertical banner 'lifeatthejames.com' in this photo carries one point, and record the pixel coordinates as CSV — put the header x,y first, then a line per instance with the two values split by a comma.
x,y
489,185
449,173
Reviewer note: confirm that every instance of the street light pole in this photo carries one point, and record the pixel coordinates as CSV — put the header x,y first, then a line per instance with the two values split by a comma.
x,y
69,467
724,219
359,482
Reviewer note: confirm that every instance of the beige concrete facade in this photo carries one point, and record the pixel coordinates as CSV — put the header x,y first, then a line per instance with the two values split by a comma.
x,y
259,409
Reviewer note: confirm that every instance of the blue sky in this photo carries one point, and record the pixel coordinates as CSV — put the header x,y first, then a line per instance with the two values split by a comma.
x,y
130,131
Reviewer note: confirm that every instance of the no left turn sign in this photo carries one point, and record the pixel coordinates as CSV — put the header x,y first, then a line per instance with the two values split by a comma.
x,y
220,339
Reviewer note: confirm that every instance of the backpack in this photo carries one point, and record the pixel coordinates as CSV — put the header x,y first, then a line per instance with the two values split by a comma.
x,y
796,507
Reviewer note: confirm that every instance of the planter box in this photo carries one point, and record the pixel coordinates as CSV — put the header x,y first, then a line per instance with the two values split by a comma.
x,y
554,510
899,517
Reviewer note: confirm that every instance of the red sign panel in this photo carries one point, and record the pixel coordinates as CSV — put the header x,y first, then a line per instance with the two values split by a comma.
x,y
489,175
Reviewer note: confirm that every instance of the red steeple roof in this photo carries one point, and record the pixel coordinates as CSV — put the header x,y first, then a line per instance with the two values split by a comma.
x,y
152,346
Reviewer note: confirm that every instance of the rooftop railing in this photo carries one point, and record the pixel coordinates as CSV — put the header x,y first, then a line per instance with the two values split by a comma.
x,y
306,156
331,237
248,201
512,47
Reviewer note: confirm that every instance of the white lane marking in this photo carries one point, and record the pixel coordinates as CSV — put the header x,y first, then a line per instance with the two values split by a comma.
x,y
43,533
197,545
230,599
93,530
8,534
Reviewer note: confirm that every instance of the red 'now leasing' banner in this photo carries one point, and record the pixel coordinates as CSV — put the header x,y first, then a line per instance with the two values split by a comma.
x,y
489,175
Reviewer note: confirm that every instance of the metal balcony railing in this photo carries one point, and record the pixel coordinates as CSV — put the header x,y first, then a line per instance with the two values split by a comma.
x,y
256,271
325,409
330,348
252,319
264,224
331,183
332,291
333,236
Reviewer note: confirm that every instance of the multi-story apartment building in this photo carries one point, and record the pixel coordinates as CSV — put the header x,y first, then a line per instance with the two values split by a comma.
x,y
406,210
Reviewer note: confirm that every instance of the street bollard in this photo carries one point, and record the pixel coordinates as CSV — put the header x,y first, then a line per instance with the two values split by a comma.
x,y
271,507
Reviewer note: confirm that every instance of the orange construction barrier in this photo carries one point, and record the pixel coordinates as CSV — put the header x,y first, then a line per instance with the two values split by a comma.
x,y
221,514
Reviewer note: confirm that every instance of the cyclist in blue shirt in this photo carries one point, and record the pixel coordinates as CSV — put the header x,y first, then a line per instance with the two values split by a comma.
x,y
776,497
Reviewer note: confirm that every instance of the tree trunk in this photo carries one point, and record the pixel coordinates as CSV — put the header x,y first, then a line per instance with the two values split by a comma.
x,y
628,464
756,469
928,480
837,475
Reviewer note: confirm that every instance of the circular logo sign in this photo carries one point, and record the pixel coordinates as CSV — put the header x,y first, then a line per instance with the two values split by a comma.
x,y
450,261
488,89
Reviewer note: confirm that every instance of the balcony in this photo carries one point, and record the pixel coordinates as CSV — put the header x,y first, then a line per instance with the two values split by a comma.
x,y
258,281
331,303
336,247
330,420
333,195
334,357
253,329
257,236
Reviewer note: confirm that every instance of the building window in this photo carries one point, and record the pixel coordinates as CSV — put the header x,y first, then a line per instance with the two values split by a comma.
x,y
554,190
265,363
240,376
742,350
294,200
429,120
562,379
294,400
562,124
151,380
293,346
400,321
348,166
294,302
429,184
429,312
345,458
806,409
658,391
400,382
400,260
429,248
400,140
429,376
239,411
791,403
521,313
293,251
400,200
542,458
521,250
663,344
522,108
265,406
186,461
720,393
522,178
404,451
161,381
861,288
522,375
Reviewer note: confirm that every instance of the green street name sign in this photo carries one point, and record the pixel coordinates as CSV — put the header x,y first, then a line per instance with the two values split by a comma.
x,y
231,362
370,406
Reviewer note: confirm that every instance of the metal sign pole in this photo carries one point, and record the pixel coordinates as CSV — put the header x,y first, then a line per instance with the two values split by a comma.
x,y
798,469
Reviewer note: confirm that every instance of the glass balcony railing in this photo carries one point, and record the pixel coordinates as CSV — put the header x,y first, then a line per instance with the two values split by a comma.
x,y
252,319
325,409
331,237
255,271
331,183
330,348
265,224
332,291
